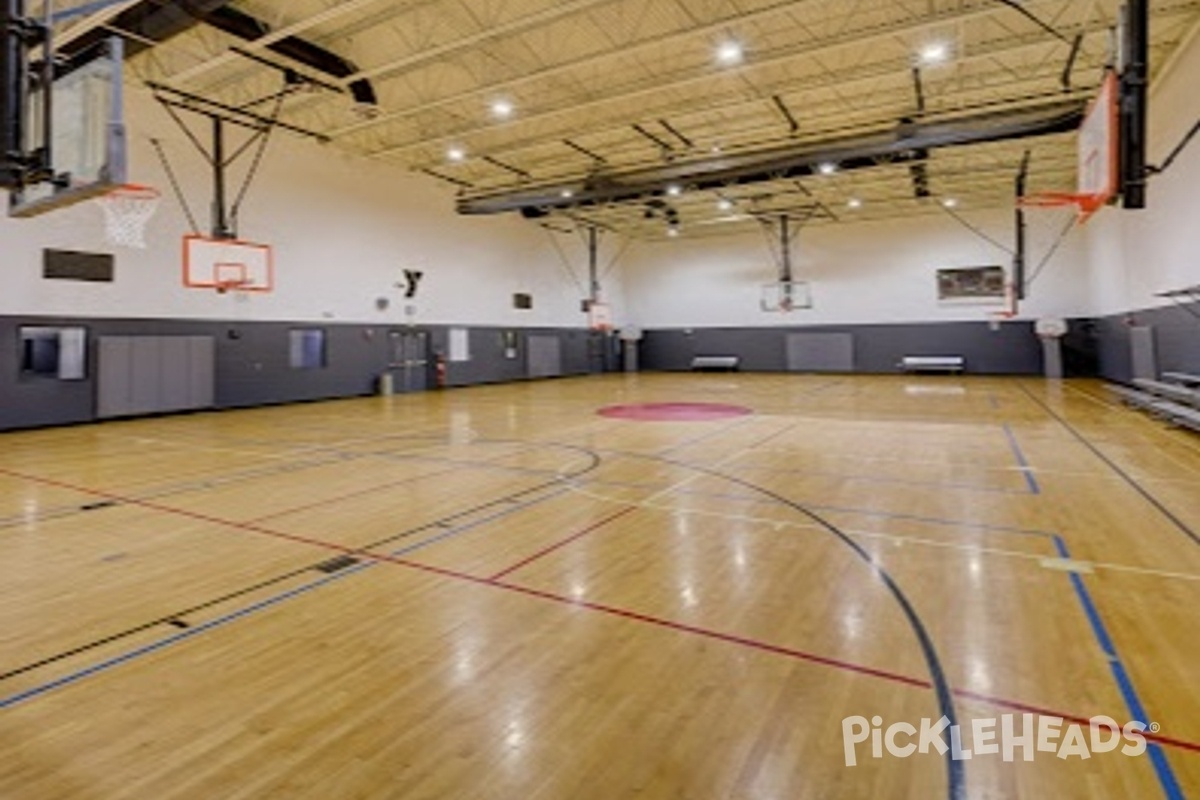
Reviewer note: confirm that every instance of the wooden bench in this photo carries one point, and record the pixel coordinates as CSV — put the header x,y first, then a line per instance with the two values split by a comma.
x,y
716,363
933,364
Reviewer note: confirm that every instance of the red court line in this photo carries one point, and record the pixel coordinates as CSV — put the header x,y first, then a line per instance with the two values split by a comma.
x,y
547,551
1014,705
845,666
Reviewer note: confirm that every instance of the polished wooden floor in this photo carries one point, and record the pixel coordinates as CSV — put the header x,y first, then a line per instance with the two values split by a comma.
x,y
496,593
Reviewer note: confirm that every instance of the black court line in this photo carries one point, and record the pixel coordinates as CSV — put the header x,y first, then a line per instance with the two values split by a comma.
x,y
1125,476
955,770
364,550
219,480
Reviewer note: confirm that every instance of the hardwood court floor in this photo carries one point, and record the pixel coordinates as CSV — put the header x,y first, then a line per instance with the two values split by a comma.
x,y
496,593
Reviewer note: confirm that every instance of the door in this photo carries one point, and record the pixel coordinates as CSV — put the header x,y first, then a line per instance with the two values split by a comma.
x,y
1143,353
544,357
410,360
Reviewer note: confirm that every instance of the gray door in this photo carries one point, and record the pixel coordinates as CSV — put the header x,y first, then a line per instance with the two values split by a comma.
x,y
820,352
154,374
114,373
544,357
410,360
1143,352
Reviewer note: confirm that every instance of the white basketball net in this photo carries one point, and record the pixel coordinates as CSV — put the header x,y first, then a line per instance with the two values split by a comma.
x,y
126,212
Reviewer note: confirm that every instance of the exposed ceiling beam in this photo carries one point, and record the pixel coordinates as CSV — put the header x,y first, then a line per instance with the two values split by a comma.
x,y
330,14
583,62
870,72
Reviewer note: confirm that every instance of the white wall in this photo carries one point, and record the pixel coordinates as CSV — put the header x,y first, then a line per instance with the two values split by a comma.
x,y
1137,254
343,230
860,273
884,272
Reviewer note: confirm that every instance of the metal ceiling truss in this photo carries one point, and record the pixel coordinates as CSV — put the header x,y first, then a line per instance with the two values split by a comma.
x,y
611,100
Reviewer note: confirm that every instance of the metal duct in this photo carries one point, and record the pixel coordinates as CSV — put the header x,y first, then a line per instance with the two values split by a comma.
x,y
246,27
150,22
908,143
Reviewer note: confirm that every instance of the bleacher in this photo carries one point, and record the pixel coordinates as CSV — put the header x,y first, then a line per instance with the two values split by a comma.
x,y
1175,398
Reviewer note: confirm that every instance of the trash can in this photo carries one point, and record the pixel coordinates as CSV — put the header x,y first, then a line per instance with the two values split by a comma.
x,y
387,385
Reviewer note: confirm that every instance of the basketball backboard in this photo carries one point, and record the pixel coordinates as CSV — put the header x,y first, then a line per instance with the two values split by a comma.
x,y
1099,149
786,296
227,265
1099,145
85,136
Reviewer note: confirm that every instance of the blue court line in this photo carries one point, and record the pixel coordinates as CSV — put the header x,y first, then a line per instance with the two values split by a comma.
x,y
1026,470
1162,767
461,529
116,661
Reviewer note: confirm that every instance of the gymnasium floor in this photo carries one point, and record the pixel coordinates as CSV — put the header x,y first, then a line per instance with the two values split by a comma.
x,y
536,602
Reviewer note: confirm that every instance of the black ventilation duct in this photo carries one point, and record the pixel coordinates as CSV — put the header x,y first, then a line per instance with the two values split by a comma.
x,y
908,143
305,52
150,22
154,21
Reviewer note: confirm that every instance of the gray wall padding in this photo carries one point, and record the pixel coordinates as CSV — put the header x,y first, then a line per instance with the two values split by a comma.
x,y
251,363
820,352
1013,349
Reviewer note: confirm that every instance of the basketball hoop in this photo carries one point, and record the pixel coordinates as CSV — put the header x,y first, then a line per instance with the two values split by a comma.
x,y
238,285
1087,204
1008,313
127,209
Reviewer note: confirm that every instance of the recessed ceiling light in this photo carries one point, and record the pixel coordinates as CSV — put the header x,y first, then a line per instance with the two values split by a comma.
x,y
717,149
566,194
672,232
725,204
827,168
950,202
456,154
730,52
674,190
934,53
502,109
855,203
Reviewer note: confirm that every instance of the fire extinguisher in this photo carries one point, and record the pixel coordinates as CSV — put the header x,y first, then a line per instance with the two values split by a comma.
x,y
440,370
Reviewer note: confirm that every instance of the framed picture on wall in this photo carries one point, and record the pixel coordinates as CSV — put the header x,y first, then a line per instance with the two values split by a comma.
x,y
982,285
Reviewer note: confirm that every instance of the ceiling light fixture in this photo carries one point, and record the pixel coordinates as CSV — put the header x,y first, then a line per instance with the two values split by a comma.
x,y
725,204
934,53
456,154
950,202
566,194
502,109
674,190
855,203
730,52
827,168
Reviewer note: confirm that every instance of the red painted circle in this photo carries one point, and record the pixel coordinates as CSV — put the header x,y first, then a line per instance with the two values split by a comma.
x,y
675,412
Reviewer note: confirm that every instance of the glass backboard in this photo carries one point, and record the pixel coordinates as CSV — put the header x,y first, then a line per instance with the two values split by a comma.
x,y
87,132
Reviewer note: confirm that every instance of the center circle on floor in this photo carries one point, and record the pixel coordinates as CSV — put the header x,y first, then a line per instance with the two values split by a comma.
x,y
675,412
